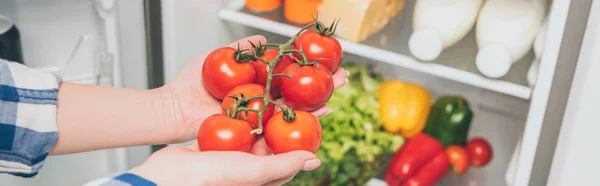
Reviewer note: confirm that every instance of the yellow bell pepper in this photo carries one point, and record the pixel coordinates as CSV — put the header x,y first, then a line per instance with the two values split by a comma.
x,y
403,107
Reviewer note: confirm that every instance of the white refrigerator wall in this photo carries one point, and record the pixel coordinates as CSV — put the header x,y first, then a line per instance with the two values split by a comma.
x,y
50,33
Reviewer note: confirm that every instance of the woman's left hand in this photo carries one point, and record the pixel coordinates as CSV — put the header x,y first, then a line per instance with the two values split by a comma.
x,y
193,103
176,165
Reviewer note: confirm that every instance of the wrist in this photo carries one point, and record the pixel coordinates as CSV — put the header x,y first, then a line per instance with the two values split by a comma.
x,y
169,113
149,176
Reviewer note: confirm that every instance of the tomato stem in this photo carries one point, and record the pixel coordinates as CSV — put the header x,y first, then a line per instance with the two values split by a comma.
x,y
243,56
299,52
289,115
284,75
271,44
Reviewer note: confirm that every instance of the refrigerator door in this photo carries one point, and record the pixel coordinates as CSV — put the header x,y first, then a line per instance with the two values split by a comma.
x,y
566,28
575,160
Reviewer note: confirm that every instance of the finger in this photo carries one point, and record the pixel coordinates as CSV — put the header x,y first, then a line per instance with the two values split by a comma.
x,y
339,81
260,148
281,181
320,112
341,72
288,164
245,43
194,146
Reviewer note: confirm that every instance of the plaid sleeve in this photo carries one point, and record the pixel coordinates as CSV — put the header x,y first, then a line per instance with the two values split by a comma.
x,y
28,131
126,179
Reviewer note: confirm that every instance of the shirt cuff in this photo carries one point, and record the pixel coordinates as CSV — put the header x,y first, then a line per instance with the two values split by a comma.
x,y
127,179
28,130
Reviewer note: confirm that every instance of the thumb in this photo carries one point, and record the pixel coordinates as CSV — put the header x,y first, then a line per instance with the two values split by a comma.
x,y
288,164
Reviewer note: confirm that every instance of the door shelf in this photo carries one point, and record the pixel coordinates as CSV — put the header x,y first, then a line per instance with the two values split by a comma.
x,y
390,45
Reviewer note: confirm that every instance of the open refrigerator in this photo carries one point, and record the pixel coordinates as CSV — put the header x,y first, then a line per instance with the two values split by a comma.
x,y
143,44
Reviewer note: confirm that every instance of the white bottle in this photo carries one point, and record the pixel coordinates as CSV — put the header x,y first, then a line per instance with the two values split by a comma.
x,y
505,33
538,48
438,24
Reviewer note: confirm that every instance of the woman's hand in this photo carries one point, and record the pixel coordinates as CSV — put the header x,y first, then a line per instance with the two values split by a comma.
x,y
193,103
176,165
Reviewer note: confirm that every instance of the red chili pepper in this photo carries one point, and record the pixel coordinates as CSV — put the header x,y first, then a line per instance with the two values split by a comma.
x,y
420,161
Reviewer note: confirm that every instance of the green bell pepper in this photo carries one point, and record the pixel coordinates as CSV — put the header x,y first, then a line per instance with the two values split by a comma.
x,y
449,120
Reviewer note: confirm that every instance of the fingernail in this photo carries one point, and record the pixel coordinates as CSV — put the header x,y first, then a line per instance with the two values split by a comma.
x,y
347,81
347,73
312,164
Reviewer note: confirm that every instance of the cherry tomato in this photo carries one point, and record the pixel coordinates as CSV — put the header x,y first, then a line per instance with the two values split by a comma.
x,y
262,70
308,88
221,133
304,133
221,72
249,90
325,49
459,159
480,152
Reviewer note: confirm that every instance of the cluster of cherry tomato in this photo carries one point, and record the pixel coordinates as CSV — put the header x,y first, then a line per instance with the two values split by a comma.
x,y
248,81
477,153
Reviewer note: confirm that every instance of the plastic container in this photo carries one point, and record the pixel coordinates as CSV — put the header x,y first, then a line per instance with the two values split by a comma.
x,y
439,24
301,11
505,32
538,48
261,6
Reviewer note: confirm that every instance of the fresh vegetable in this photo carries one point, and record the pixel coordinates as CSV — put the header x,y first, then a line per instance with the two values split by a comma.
x,y
419,157
418,151
480,152
404,107
221,133
241,94
224,69
301,11
320,46
430,173
309,87
261,6
355,146
302,132
449,120
459,159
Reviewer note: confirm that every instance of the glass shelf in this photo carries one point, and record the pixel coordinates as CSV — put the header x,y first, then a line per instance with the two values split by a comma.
x,y
390,45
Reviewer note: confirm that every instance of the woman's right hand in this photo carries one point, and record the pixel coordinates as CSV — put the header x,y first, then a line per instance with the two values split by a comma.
x,y
177,165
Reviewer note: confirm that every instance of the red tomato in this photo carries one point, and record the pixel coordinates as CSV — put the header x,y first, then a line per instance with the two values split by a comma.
x,y
459,159
249,90
304,133
221,72
262,70
316,46
480,152
221,133
308,88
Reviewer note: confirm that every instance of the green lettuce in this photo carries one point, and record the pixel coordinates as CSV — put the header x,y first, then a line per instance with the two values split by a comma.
x,y
354,145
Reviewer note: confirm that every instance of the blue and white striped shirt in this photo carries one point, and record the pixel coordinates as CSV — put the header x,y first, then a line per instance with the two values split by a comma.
x,y
28,130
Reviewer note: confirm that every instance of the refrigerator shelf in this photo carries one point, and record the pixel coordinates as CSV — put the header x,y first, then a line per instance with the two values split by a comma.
x,y
390,45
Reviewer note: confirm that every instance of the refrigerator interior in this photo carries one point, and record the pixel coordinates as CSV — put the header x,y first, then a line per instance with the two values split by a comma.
x,y
51,31
500,106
